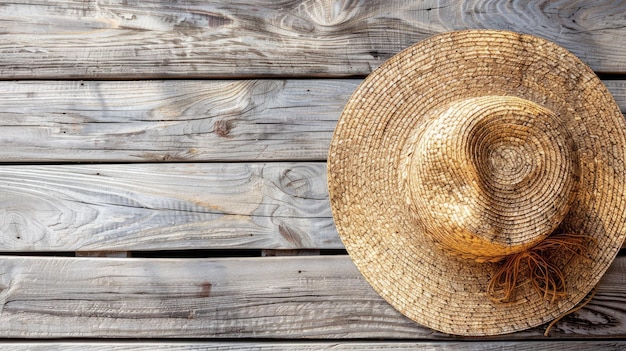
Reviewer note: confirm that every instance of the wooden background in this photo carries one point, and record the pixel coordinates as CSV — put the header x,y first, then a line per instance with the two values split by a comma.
x,y
163,169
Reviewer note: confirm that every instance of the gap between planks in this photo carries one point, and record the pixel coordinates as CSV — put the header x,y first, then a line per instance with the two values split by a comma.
x,y
264,253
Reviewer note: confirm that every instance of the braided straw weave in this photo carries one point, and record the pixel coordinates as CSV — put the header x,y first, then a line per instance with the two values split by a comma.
x,y
464,149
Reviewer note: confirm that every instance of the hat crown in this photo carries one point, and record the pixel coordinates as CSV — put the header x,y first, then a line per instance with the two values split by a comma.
x,y
490,176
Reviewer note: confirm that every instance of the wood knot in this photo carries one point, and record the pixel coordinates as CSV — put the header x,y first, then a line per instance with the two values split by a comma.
x,y
222,128
327,13
205,289
19,231
293,183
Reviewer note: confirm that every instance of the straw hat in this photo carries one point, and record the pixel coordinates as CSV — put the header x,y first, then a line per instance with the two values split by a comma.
x,y
465,149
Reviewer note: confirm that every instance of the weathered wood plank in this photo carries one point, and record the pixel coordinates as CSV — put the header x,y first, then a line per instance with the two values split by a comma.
x,y
591,345
278,207
261,120
117,39
165,207
169,120
269,297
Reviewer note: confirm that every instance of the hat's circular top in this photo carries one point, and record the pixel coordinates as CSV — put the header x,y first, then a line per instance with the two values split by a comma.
x,y
463,150
490,175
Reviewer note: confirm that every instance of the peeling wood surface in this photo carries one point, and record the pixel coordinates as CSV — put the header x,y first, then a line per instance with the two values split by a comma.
x,y
268,297
117,39
176,121
165,207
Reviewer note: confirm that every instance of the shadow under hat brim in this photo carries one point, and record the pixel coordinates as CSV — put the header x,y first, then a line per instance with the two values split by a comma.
x,y
368,198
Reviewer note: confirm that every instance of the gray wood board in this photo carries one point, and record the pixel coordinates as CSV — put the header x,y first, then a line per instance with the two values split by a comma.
x,y
155,121
269,297
176,121
165,207
591,345
157,38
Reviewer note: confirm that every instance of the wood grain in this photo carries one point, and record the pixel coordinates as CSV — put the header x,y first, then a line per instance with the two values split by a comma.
x,y
165,207
176,121
156,121
591,345
269,297
118,39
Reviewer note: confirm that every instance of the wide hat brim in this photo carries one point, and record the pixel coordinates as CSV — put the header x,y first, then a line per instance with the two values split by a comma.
x,y
403,264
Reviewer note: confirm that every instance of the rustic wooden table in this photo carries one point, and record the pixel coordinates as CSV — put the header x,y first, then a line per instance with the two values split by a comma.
x,y
163,182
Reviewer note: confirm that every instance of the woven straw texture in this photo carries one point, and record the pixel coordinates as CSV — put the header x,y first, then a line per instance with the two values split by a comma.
x,y
467,147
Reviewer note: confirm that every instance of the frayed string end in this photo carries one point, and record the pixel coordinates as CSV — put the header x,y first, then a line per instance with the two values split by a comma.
x,y
537,262
580,306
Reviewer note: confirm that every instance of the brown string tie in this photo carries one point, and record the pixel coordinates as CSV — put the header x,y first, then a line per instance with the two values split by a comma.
x,y
580,306
537,262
